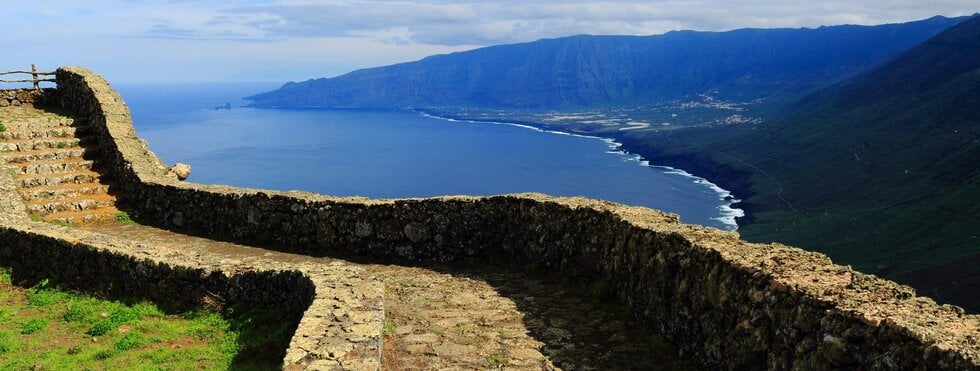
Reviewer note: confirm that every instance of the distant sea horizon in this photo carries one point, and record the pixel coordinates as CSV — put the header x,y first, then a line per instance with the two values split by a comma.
x,y
400,154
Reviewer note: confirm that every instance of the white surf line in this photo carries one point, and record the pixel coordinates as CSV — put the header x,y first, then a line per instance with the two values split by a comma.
x,y
728,213
632,125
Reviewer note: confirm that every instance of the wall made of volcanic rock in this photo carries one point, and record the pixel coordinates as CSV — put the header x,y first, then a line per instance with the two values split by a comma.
x,y
17,97
107,265
726,302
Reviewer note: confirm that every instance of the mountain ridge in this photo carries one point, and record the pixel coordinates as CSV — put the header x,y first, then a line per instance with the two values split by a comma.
x,y
588,70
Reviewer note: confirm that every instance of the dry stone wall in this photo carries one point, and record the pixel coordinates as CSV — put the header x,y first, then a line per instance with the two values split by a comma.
x,y
17,97
727,303
97,263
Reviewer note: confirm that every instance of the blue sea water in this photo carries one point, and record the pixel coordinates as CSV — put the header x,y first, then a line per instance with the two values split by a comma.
x,y
396,154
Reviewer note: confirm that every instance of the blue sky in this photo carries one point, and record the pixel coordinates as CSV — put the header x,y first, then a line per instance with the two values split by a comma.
x,y
284,40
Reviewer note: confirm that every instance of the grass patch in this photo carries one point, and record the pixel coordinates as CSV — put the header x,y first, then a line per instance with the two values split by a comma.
x,y
33,326
390,328
52,328
3,128
496,360
124,218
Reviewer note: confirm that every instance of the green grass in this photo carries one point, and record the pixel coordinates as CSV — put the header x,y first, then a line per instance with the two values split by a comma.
x,y
52,328
3,128
390,328
496,360
124,218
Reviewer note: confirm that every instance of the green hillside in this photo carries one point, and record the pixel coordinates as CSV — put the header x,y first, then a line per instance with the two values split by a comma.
x,y
881,171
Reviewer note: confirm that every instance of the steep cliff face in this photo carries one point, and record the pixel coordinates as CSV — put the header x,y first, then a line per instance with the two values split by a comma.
x,y
879,171
599,70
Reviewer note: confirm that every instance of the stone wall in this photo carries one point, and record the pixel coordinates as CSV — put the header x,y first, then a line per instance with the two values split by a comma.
x,y
17,97
727,303
95,263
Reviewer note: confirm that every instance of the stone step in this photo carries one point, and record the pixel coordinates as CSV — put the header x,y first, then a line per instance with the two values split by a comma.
x,y
72,177
53,166
82,217
50,154
63,191
53,132
39,143
41,122
79,203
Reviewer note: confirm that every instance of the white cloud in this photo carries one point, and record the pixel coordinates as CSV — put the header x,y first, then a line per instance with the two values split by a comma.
x,y
198,40
485,22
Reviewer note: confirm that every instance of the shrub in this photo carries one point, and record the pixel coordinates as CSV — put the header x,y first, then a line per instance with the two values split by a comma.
x,y
33,326
132,340
77,312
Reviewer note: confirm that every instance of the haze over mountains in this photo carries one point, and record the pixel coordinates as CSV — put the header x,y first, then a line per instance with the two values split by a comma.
x,y
616,70
869,150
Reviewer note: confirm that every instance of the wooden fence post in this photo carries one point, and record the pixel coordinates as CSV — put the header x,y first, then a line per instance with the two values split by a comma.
x,y
37,85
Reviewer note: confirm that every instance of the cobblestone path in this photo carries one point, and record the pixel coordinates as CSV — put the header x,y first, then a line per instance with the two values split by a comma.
x,y
451,318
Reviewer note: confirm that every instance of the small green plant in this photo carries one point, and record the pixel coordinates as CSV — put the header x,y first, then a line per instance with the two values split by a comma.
x,y
390,328
62,145
3,128
132,340
33,326
104,355
147,310
117,318
77,313
35,218
124,218
40,296
496,360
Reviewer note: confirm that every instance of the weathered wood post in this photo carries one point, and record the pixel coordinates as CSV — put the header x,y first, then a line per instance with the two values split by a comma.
x,y
37,85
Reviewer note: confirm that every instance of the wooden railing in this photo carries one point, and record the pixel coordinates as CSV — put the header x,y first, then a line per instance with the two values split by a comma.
x,y
35,76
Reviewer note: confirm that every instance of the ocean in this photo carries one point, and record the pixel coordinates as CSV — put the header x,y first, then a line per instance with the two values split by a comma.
x,y
399,154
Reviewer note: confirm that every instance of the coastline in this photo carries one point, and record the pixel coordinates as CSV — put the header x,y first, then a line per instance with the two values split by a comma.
x,y
732,213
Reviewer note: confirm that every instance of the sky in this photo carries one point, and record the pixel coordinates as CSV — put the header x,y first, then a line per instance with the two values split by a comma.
x,y
293,40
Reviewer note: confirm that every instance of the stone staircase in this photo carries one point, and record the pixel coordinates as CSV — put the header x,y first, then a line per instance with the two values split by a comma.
x,y
53,160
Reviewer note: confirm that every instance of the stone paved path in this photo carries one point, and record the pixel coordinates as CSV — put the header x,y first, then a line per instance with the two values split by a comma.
x,y
435,318
450,318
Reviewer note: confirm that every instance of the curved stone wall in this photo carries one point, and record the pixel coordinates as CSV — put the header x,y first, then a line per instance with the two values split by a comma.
x,y
727,303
